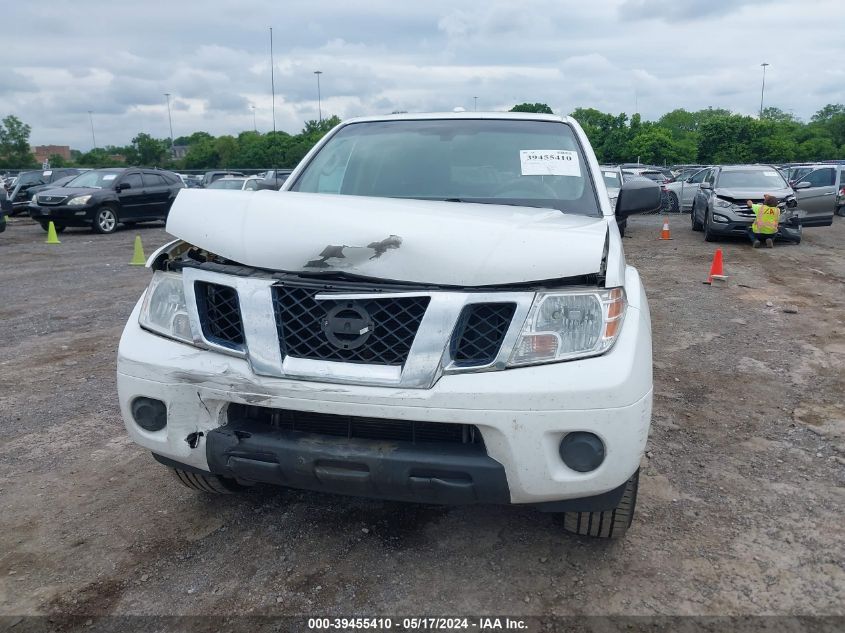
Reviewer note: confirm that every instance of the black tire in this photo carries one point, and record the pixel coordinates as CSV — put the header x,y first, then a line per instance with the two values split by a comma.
x,y
610,523
105,220
60,228
696,225
674,205
211,484
709,236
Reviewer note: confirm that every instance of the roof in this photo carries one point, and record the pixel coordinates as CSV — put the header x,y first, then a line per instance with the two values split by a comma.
x,y
430,116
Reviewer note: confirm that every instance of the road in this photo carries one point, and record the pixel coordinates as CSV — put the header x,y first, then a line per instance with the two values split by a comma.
x,y
741,495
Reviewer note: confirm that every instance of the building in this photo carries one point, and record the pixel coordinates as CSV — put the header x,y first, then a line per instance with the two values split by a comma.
x,y
180,151
43,152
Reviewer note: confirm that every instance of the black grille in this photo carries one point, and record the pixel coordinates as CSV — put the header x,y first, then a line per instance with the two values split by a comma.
x,y
356,427
220,314
300,317
480,332
42,199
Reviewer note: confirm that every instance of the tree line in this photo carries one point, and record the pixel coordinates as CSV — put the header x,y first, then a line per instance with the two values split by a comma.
x,y
711,135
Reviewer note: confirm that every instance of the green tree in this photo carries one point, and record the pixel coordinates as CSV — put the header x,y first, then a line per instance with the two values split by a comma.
x,y
56,160
151,152
541,108
14,143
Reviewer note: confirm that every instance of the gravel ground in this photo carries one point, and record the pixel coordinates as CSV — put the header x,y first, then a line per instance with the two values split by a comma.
x,y
741,495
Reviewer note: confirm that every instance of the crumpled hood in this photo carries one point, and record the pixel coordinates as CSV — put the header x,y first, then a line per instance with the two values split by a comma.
x,y
750,194
416,241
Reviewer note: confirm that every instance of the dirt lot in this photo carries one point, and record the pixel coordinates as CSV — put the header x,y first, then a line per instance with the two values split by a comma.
x,y
741,497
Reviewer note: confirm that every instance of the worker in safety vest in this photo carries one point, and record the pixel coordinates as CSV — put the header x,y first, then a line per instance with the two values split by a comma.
x,y
766,219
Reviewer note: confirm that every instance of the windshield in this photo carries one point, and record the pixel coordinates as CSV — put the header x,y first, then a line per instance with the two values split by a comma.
x,y
95,179
751,179
233,183
518,162
611,179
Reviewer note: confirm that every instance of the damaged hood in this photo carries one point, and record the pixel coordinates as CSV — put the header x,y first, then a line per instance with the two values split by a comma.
x,y
416,241
744,194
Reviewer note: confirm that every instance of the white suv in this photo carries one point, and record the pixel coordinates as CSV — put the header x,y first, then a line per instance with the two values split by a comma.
x,y
435,308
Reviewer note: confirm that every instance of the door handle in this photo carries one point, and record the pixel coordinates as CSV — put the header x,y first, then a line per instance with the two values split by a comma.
x,y
832,193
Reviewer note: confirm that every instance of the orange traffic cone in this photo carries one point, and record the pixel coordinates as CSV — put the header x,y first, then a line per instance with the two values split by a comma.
x,y
664,234
716,270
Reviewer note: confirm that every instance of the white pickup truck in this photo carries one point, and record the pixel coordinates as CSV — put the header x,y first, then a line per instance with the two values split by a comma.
x,y
435,308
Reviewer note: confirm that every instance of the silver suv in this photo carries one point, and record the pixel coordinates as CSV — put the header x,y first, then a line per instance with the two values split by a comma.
x,y
719,207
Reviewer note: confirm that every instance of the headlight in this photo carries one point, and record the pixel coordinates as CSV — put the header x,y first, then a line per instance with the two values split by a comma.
x,y
567,325
78,201
164,311
35,199
722,203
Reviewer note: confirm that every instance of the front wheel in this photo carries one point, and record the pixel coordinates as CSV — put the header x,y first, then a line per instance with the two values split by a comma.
x,y
696,225
105,220
674,205
212,484
709,235
609,523
60,228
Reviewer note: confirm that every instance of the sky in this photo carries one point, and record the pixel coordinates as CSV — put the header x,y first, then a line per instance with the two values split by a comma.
x,y
61,59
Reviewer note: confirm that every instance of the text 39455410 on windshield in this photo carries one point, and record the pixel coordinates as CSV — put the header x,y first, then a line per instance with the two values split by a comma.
x,y
436,309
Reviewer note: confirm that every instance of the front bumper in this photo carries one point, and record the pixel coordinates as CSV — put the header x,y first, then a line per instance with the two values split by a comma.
x,y
66,215
522,415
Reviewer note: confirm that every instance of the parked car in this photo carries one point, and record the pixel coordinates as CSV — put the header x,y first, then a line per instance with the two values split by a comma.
x,y
5,210
820,193
210,176
61,182
274,179
720,209
681,193
456,323
103,198
249,183
21,193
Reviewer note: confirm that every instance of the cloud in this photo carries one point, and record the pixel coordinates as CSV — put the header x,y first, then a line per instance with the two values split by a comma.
x,y
617,56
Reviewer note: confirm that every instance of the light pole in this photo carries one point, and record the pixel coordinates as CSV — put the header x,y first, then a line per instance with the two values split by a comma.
x,y
763,89
475,104
273,81
91,118
170,121
254,126
319,106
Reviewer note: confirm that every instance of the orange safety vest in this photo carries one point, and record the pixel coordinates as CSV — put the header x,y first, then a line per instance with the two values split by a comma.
x,y
766,219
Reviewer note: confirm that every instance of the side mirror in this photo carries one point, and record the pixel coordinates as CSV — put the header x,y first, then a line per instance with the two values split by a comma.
x,y
705,185
637,196
123,185
802,185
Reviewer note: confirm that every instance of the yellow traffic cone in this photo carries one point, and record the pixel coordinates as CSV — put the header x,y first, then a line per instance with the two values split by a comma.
x,y
52,238
138,257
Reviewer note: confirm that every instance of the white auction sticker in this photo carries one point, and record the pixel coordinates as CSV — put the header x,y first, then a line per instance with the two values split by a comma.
x,y
109,176
611,174
549,162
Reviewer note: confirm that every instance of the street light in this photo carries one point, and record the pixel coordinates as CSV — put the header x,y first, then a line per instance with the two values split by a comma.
x,y
170,120
254,126
475,104
763,89
91,118
319,106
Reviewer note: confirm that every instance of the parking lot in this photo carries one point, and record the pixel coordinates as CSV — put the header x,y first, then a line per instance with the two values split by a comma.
x,y
741,496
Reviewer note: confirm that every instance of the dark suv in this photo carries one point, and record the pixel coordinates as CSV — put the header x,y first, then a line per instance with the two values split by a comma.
x,y
21,193
102,198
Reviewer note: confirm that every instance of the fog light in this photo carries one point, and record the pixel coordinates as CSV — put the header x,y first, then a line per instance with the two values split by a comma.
x,y
149,414
582,451
718,217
